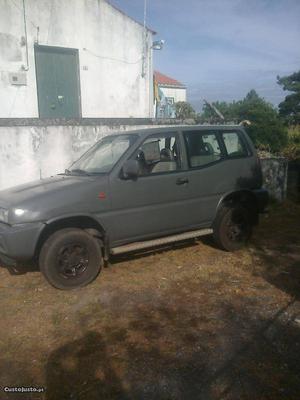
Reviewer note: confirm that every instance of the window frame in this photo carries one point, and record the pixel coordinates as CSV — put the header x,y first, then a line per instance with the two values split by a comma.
x,y
95,145
219,135
202,132
161,135
248,151
170,100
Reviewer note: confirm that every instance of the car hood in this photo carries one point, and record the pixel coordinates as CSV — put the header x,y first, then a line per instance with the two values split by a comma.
x,y
59,194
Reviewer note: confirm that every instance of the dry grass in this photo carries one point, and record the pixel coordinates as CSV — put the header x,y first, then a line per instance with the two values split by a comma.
x,y
185,322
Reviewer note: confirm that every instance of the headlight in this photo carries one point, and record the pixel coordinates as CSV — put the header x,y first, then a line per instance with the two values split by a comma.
x,y
19,212
3,215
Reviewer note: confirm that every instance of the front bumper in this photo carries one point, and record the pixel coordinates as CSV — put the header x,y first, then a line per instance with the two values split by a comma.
x,y
18,242
262,197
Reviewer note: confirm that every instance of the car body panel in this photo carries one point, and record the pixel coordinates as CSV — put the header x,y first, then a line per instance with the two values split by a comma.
x,y
130,209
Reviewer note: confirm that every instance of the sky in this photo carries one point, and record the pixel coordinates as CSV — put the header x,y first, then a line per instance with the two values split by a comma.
x,y
221,49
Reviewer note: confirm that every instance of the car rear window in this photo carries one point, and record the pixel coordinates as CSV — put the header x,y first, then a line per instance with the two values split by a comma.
x,y
202,148
234,144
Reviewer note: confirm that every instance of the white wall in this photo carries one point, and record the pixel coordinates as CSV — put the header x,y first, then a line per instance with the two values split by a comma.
x,y
27,151
110,67
179,94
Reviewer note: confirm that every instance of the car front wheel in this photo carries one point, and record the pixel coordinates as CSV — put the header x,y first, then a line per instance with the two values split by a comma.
x,y
232,227
70,258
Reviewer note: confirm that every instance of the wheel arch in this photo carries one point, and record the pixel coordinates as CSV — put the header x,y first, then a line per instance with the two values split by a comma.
x,y
245,197
85,222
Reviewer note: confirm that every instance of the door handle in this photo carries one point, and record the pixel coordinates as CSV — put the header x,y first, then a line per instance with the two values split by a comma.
x,y
182,181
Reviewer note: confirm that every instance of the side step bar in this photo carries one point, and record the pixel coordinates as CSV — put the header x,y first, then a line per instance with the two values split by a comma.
x,y
157,242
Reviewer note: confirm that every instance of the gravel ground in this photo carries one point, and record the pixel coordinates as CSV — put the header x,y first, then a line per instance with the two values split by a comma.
x,y
182,322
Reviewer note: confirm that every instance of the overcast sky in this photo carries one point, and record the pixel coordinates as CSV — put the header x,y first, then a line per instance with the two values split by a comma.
x,y
223,48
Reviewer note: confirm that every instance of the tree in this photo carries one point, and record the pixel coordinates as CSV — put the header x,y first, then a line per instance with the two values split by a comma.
x,y
289,108
292,150
266,129
184,110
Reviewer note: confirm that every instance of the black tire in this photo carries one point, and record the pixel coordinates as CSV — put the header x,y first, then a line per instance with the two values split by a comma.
x,y
232,227
70,258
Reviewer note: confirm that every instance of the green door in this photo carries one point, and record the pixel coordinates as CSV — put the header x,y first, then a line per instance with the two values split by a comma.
x,y
57,75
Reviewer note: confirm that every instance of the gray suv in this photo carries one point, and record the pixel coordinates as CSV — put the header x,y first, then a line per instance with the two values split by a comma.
x,y
131,191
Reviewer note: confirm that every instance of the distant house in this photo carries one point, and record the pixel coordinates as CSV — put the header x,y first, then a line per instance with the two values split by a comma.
x,y
72,59
167,91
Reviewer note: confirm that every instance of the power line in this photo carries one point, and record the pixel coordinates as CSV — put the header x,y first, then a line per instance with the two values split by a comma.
x,y
111,58
20,9
26,38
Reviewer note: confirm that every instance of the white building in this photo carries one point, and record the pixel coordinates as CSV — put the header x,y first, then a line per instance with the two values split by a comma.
x,y
73,58
169,92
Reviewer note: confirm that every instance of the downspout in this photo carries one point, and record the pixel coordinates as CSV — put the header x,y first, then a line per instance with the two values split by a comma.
x,y
151,88
26,68
144,41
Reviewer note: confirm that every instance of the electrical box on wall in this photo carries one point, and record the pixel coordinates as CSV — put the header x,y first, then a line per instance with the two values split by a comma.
x,y
18,78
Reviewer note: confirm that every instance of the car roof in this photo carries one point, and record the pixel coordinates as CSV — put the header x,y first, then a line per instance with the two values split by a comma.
x,y
146,131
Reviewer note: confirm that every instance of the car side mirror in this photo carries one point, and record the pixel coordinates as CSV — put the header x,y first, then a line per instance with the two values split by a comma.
x,y
131,169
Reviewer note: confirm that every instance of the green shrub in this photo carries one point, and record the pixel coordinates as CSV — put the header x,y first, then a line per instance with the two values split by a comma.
x,y
292,149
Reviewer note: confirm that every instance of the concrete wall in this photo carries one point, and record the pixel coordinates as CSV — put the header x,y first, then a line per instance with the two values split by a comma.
x,y
28,152
110,48
179,94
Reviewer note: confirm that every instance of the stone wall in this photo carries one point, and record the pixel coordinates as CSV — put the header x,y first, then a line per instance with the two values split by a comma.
x,y
293,185
274,171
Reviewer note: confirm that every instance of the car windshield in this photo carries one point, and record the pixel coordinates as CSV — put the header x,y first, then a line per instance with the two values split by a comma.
x,y
102,157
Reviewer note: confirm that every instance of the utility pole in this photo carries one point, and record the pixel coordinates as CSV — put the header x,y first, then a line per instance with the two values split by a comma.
x,y
214,108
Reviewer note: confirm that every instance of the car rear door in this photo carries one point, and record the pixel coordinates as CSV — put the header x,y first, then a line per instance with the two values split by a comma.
x,y
212,171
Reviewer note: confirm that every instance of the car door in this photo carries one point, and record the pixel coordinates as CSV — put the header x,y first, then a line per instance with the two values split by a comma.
x,y
212,172
206,174
152,204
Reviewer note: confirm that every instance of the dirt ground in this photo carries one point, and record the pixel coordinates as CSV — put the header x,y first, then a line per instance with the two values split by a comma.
x,y
185,322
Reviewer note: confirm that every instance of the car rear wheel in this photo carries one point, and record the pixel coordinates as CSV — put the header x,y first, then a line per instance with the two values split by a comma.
x,y
70,258
232,227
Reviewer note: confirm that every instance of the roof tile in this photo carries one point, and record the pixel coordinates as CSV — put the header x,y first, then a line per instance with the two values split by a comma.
x,y
162,79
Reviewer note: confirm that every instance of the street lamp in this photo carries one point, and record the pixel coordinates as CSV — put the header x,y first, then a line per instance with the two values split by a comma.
x,y
158,45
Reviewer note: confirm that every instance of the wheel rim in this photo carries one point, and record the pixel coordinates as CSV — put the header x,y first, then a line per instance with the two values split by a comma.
x,y
237,227
72,260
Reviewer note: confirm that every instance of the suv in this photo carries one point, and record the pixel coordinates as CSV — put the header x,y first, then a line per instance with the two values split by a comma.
x,y
131,191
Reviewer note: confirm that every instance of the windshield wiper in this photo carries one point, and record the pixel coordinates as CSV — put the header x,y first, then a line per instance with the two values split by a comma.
x,y
67,172
75,172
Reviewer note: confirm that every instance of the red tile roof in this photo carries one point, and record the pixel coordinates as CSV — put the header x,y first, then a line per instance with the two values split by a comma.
x,y
165,80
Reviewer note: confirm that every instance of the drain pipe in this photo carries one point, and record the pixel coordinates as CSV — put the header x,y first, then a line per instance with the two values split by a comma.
x,y
26,68
144,41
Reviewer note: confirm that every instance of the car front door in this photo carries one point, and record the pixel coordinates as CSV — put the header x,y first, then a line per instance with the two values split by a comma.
x,y
152,204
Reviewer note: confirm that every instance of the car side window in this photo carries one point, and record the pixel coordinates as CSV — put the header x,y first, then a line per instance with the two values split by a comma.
x,y
234,145
202,148
158,154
